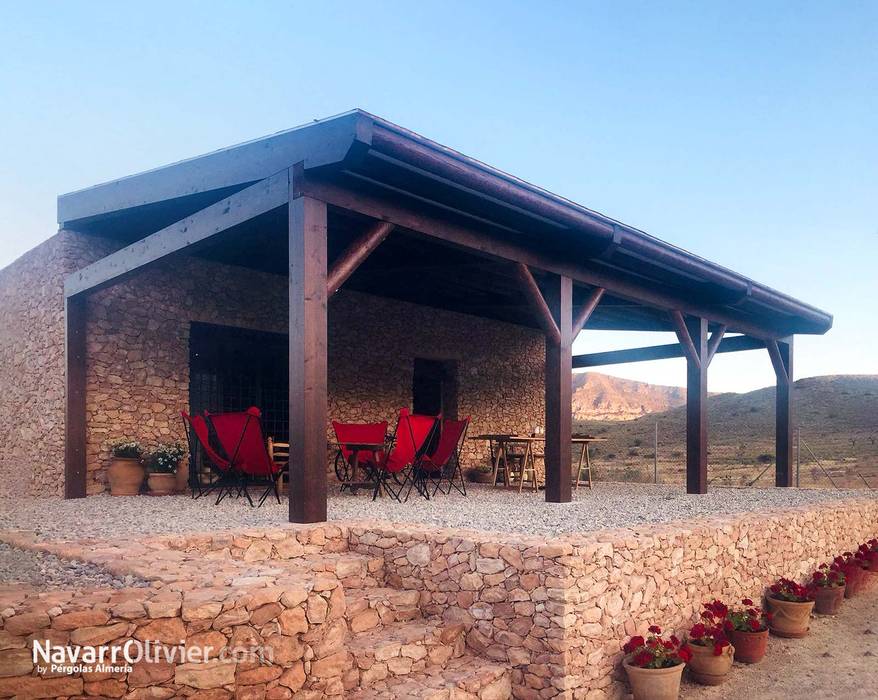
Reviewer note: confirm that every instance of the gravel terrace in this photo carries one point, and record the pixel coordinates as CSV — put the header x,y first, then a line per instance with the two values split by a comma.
x,y
609,505
46,571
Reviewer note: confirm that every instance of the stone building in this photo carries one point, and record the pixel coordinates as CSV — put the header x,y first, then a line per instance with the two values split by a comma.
x,y
140,356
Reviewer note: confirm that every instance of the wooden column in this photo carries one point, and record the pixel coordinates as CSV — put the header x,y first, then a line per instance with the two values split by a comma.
x,y
74,416
308,373
696,406
559,390
781,353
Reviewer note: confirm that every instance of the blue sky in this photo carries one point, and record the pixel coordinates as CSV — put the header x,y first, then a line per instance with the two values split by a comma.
x,y
745,132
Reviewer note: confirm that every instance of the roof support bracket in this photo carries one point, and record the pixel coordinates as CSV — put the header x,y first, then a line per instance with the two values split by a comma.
x,y
538,303
587,310
713,344
685,339
354,255
780,369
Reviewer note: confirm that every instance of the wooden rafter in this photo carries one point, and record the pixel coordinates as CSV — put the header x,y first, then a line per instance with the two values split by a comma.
x,y
257,199
353,256
587,310
737,343
538,303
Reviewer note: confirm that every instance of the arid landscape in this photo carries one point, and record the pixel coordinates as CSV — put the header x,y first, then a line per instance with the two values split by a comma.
x,y
837,415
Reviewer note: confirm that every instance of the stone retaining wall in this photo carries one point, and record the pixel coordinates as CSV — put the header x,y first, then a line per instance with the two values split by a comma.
x,y
556,610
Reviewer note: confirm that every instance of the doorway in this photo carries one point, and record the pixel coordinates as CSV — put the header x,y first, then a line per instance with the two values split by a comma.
x,y
434,387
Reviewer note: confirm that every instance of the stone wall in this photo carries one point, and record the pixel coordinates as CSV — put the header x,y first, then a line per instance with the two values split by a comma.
x,y
32,362
138,357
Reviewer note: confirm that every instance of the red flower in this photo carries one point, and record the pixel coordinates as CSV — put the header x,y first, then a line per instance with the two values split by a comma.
x,y
697,631
642,659
747,602
718,646
655,629
685,654
754,624
632,644
674,640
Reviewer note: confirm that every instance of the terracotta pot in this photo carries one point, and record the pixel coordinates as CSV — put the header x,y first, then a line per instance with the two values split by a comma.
x,y
868,580
707,668
827,599
749,646
162,484
125,476
790,619
654,683
852,575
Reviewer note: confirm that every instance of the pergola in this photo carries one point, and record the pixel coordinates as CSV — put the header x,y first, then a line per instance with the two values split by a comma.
x,y
355,200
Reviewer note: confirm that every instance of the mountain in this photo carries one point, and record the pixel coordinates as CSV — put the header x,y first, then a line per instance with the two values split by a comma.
x,y
602,397
837,416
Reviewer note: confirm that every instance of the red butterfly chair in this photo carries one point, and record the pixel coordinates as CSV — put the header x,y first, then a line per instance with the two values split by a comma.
x,y
410,440
240,435
444,461
198,437
352,434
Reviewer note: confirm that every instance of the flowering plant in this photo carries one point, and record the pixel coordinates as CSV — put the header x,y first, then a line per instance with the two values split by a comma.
x,y
790,591
851,562
165,459
655,651
828,576
749,618
126,449
712,628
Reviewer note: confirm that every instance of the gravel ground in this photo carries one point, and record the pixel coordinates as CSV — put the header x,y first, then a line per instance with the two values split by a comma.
x,y
838,659
609,505
46,571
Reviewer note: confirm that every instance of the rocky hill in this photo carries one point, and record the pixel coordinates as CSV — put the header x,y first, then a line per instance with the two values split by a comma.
x,y
602,397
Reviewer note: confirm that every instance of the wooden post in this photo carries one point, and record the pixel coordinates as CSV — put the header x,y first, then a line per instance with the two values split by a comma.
x,y
74,418
308,362
559,391
696,407
783,424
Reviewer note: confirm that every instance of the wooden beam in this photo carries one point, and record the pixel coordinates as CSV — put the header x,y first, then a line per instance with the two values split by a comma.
x,y
735,343
192,231
478,242
74,415
587,310
538,303
559,391
784,414
685,339
308,360
353,256
777,362
696,407
716,338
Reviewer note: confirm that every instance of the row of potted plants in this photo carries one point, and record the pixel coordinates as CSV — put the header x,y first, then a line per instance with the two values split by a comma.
x,y
131,461
654,664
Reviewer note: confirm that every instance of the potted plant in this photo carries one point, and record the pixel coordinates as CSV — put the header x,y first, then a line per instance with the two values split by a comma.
x,y
654,665
827,588
791,607
852,569
481,474
747,626
870,550
126,472
711,651
868,574
163,462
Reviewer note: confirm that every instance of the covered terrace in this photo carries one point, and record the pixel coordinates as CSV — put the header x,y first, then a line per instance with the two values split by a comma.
x,y
356,201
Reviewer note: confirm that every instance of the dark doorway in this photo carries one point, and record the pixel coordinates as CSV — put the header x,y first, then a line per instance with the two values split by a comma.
x,y
434,387
231,369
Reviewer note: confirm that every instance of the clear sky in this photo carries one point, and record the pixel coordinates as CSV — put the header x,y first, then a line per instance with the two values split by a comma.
x,y
746,132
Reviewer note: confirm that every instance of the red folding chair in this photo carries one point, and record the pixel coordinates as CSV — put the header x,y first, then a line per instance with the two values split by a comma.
x,y
443,463
240,435
198,437
354,434
410,440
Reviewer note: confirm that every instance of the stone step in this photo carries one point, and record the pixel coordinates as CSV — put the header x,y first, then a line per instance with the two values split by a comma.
x,y
371,608
466,677
402,649
355,571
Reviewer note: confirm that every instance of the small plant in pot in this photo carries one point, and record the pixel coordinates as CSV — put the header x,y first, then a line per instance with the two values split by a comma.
x,y
126,472
870,552
747,627
868,574
163,462
827,588
852,568
654,665
712,653
791,605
